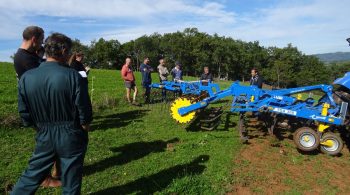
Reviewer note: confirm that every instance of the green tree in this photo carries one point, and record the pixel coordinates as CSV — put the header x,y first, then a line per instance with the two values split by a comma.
x,y
105,54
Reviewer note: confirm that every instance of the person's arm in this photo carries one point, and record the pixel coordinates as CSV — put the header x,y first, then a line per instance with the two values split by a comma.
x,y
143,68
22,106
150,68
82,102
87,69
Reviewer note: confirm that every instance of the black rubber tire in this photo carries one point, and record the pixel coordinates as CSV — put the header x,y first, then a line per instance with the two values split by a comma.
x,y
303,131
331,151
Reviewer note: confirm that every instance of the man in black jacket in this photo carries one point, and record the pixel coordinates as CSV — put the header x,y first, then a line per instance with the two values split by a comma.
x,y
26,57
55,100
256,79
206,77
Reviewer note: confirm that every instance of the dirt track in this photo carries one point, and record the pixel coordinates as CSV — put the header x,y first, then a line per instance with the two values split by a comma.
x,y
268,165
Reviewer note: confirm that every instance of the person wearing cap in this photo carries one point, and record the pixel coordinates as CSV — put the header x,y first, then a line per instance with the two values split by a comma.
x,y
176,72
146,70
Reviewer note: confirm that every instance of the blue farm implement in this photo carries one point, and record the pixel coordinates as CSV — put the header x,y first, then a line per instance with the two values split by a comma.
x,y
314,121
190,92
190,88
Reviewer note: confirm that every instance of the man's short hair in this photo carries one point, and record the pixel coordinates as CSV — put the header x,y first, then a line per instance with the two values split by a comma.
x,y
255,70
32,31
56,43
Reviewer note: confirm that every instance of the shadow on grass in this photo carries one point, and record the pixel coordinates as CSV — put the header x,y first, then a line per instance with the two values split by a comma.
x,y
130,152
159,181
117,120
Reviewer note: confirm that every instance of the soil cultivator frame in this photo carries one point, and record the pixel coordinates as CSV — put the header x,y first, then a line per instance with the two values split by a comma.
x,y
315,121
188,87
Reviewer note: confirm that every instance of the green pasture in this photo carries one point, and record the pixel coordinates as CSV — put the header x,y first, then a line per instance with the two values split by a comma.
x,y
132,149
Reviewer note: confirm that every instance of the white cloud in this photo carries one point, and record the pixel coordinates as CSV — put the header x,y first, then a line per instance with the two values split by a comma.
x,y
114,8
10,25
314,26
317,26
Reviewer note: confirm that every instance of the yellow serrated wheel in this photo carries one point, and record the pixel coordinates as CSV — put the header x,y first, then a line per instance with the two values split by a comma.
x,y
174,109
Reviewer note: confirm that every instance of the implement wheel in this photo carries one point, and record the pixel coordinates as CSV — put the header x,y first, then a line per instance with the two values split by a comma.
x,y
306,139
331,144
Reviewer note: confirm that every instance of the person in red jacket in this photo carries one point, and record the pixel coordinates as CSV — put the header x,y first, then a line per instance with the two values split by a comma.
x,y
129,80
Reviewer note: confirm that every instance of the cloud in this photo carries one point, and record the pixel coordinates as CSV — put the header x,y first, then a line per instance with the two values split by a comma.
x,y
314,26
10,25
138,9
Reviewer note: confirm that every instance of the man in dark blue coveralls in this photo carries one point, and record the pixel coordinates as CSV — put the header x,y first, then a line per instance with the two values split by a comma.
x,y
146,70
55,100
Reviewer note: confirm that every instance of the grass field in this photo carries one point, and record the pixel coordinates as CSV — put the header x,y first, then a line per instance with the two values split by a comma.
x,y
131,149
141,150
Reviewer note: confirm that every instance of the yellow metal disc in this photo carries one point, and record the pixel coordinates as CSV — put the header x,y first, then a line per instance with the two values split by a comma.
x,y
174,109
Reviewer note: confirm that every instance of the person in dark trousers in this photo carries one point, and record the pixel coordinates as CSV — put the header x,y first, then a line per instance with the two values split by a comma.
x,y
29,56
206,77
26,57
256,79
146,70
163,75
54,99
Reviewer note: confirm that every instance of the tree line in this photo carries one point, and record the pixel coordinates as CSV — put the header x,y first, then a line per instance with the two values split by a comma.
x,y
226,57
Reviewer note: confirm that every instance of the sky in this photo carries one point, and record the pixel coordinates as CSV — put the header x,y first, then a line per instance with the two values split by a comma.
x,y
313,26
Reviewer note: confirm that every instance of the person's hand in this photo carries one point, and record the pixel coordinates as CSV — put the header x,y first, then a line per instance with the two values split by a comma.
x,y
87,68
86,127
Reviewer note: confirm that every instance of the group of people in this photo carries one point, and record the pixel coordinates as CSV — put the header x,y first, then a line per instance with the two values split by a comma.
x,y
146,70
53,98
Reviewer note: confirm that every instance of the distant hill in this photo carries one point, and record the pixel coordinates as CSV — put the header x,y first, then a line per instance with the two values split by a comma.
x,y
334,57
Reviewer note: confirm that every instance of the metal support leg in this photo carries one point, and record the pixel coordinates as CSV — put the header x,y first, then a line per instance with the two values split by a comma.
x,y
241,128
272,125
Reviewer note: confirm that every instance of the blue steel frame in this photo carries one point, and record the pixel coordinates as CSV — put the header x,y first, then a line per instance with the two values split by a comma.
x,y
253,99
188,87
